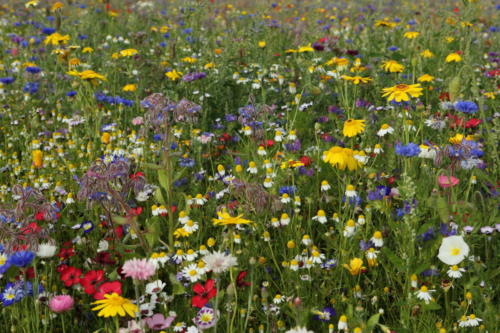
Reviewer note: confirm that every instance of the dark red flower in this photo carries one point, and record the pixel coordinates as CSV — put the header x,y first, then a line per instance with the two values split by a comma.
x,y
104,258
306,160
71,276
108,288
90,280
31,228
444,96
203,293
136,175
65,253
135,211
239,280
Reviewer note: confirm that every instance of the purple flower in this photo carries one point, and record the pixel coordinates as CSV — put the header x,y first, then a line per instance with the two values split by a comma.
x,y
205,318
326,314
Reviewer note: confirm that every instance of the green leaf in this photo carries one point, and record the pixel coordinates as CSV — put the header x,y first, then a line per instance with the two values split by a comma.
x,y
153,231
442,208
394,259
152,166
122,220
163,179
454,88
432,306
177,287
372,322
158,195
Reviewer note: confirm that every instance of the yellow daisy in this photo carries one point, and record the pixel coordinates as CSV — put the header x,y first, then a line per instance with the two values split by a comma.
x,y
402,92
353,127
113,304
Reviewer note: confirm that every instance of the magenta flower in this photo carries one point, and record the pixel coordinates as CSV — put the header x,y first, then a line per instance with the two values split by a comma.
x,y
159,322
138,269
445,181
61,303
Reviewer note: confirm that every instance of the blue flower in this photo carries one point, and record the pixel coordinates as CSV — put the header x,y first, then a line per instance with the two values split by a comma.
x,y
7,80
408,150
22,258
467,107
4,263
325,315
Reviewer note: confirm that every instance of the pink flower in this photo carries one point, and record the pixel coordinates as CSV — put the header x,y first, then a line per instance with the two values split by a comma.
x,y
445,181
158,322
137,121
138,269
61,303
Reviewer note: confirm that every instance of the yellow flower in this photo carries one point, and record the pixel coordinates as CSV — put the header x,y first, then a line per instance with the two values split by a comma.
x,y
90,75
402,92
87,50
355,266
385,23
341,158
189,60
426,78
457,139
33,3
113,304
173,75
392,66
490,95
306,48
37,156
128,52
56,6
411,34
56,39
181,232
353,127
453,57
427,53
209,65
262,44
105,138
356,79
226,219
130,87
339,62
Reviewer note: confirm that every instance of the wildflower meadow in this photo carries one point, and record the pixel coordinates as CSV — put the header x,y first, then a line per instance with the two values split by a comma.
x,y
297,166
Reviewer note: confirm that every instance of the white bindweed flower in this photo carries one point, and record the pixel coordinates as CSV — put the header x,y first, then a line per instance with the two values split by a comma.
x,y
453,250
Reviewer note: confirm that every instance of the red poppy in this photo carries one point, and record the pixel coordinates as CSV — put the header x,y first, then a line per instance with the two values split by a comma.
x,y
31,228
90,280
108,288
135,211
306,160
239,280
39,216
65,253
203,293
472,123
136,175
71,276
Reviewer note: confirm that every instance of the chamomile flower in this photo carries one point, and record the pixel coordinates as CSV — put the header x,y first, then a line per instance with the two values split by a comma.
x,y
384,130
455,272
349,229
252,167
350,191
325,186
424,294
377,239
320,217
285,219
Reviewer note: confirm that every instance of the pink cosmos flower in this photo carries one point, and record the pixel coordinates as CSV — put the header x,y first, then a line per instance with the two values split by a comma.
x,y
445,181
138,269
61,303
137,121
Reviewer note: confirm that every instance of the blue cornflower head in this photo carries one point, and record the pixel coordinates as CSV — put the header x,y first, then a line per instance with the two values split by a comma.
x,y
290,190
31,87
408,150
467,107
33,69
393,48
430,272
71,93
7,80
48,31
22,258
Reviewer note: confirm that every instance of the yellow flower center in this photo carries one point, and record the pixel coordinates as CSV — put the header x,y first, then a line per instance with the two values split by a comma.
x,y
402,87
455,252
193,272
